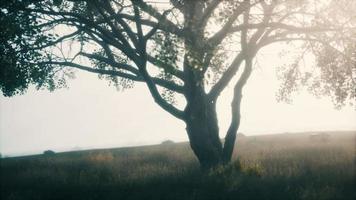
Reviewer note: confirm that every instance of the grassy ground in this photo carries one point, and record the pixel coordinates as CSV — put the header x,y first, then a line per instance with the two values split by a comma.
x,y
284,166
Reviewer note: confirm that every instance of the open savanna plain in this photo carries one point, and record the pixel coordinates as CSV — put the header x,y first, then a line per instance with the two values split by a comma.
x,y
278,166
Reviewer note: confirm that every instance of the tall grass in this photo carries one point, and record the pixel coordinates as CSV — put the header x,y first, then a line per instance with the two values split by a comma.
x,y
288,166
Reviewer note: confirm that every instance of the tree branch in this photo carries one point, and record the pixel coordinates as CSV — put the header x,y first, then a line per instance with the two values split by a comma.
x,y
164,23
58,40
226,77
208,12
157,96
104,34
115,30
235,65
164,83
235,112
169,68
111,62
221,34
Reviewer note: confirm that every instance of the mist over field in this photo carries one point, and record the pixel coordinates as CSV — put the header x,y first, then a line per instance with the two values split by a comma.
x,y
93,115
280,166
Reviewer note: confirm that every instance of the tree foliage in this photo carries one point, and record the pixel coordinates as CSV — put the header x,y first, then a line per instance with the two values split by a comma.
x,y
334,72
28,38
19,33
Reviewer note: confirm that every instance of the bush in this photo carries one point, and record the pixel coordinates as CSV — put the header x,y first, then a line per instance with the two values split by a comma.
x,y
167,142
49,153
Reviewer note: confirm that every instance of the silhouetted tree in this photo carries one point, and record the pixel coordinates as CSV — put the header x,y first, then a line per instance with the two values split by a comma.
x,y
179,47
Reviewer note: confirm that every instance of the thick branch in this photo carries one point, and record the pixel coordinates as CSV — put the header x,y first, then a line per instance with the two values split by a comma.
x,y
163,22
157,96
236,101
115,30
122,22
235,112
226,77
142,66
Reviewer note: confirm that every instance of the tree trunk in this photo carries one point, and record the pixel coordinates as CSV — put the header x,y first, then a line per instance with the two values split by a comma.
x,y
203,132
200,112
234,125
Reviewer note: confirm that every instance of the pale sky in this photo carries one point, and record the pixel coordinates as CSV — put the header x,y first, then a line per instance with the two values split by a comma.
x,y
90,114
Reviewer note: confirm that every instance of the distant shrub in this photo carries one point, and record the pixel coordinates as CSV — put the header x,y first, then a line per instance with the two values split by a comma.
x,y
49,153
167,142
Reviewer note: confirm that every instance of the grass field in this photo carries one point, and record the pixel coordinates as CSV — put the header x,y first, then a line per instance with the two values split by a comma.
x,y
280,166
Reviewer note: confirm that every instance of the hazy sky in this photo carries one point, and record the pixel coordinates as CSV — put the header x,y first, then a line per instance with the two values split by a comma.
x,y
92,115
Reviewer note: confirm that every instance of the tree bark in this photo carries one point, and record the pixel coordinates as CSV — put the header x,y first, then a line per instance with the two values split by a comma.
x,y
203,132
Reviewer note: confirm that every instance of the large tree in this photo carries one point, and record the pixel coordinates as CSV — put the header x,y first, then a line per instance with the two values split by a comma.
x,y
187,48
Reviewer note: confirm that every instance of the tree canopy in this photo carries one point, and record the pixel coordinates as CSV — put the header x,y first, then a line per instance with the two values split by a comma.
x,y
34,32
179,47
